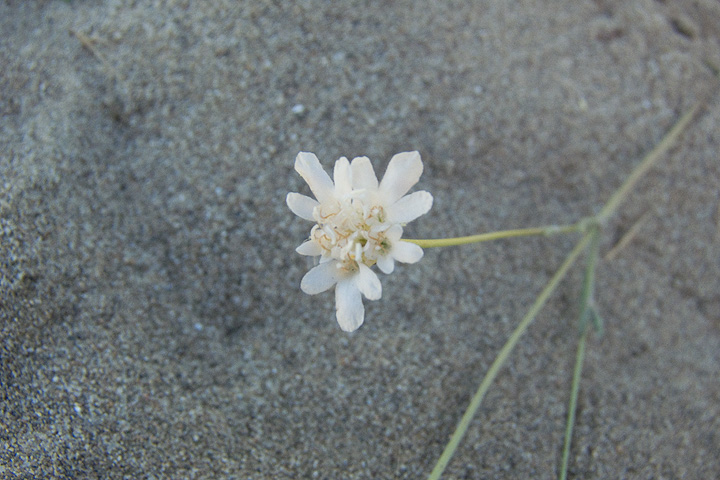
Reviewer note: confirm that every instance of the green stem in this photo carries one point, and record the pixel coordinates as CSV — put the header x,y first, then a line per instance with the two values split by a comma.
x,y
586,310
647,162
574,389
502,357
586,301
590,229
484,237
607,210
587,297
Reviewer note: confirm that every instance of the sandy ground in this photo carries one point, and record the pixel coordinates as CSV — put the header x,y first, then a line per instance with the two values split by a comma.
x,y
152,321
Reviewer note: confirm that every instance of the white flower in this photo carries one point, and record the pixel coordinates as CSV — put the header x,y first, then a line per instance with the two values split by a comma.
x,y
358,223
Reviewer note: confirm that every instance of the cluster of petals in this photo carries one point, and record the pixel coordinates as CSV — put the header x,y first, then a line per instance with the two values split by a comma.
x,y
358,223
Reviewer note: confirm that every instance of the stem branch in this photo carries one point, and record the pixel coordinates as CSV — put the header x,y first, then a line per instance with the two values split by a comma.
x,y
502,357
586,310
647,162
574,389
590,229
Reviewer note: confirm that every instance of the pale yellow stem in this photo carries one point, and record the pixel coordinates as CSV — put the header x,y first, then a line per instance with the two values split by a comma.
x,y
485,237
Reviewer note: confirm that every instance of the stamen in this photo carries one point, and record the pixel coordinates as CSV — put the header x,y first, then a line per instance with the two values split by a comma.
x,y
351,230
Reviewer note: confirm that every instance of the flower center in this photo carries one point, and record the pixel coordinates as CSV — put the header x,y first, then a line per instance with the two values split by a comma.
x,y
351,231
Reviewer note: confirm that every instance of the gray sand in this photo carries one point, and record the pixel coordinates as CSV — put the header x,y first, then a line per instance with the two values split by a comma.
x,y
152,320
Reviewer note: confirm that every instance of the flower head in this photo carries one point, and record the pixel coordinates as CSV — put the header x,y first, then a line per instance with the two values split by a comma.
x,y
358,224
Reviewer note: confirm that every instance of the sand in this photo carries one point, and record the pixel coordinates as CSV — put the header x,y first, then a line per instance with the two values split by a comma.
x,y
150,311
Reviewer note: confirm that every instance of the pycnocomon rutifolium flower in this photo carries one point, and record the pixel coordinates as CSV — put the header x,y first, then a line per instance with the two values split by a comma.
x,y
358,223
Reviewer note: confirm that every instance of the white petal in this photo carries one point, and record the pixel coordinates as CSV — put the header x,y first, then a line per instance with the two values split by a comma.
x,y
301,205
349,307
364,174
309,248
406,252
368,283
410,207
320,278
402,173
394,233
309,168
343,177
386,263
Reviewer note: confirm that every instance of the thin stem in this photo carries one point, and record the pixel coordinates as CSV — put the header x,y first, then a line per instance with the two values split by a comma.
x,y
484,237
590,229
574,389
586,307
647,162
502,357
586,310
607,210
587,297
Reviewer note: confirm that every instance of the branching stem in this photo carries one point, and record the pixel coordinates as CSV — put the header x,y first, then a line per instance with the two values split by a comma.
x,y
503,356
590,228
